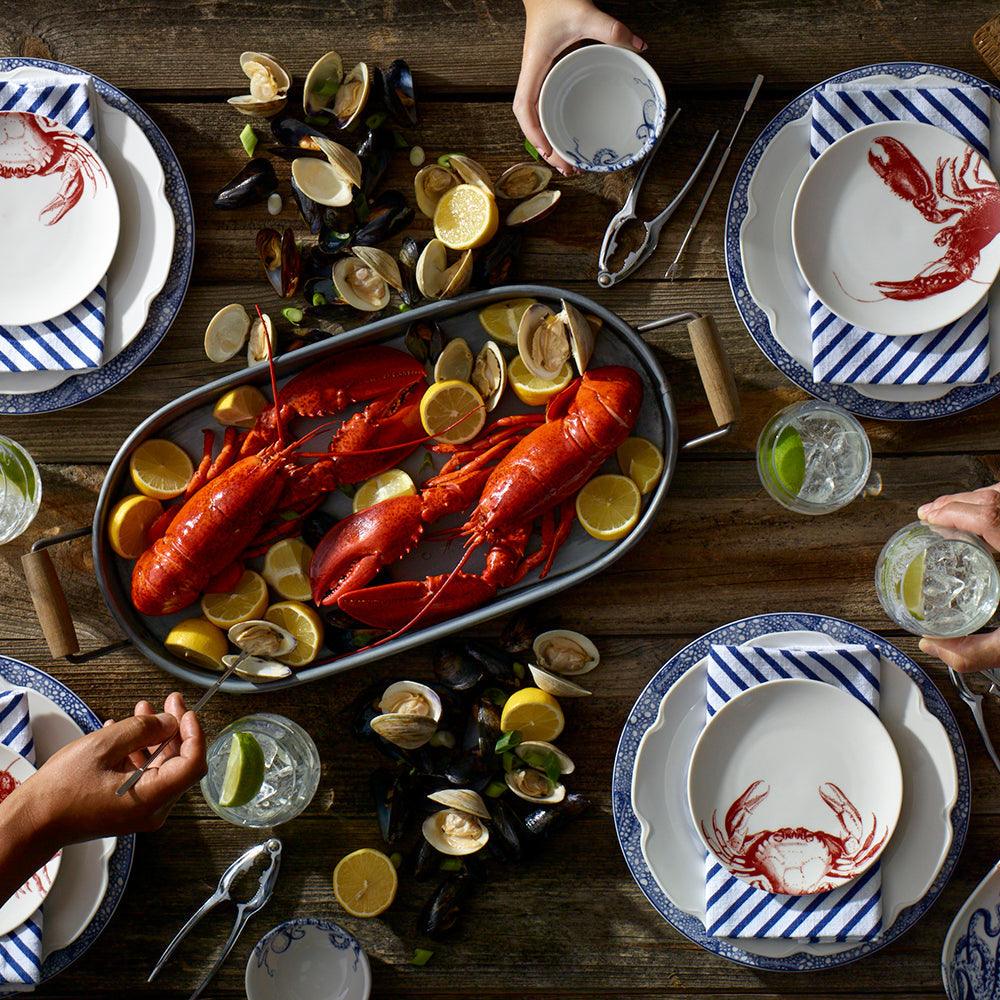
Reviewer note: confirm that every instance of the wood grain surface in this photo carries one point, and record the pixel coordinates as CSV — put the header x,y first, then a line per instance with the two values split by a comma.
x,y
572,924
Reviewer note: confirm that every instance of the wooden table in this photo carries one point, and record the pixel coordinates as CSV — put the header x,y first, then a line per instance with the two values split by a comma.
x,y
573,923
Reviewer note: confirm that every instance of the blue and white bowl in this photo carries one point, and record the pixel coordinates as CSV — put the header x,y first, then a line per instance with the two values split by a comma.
x,y
970,963
602,108
309,959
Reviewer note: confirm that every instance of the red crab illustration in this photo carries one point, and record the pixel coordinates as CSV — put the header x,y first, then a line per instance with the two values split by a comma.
x,y
975,207
34,146
795,861
7,784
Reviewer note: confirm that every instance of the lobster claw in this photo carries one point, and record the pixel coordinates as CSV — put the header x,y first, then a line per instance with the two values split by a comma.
x,y
393,605
905,175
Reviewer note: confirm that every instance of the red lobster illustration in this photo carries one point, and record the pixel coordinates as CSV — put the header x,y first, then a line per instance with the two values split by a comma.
x,y
7,784
31,145
520,469
974,206
235,507
795,861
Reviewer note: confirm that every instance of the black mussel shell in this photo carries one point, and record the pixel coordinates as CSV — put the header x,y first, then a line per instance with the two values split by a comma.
x,y
375,152
427,862
387,215
254,183
334,235
410,250
542,821
483,730
301,336
455,669
518,636
281,260
507,833
393,804
469,770
494,660
399,96
317,267
440,915
295,136
495,264
424,340
311,211
314,529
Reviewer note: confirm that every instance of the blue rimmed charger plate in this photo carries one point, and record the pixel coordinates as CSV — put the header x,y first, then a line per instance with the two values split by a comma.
x,y
644,713
120,863
164,308
962,397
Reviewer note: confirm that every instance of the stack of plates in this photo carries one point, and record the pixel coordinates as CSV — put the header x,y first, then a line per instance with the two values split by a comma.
x,y
149,274
92,876
664,851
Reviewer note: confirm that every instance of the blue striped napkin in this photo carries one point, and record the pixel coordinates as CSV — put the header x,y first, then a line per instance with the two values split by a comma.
x,y
21,949
74,340
957,354
735,909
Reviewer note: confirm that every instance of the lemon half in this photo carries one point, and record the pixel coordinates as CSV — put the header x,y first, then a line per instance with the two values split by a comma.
x,y
608,507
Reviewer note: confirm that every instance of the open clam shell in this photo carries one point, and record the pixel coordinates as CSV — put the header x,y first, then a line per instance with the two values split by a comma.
x,y
406,731
555,684
542,341
382,263
471,172
352,95
262,638
462,799
535,786
257,668
543,756
534,208
429,184
269,85
562,651
328,182
411,698
455,832
359,285
322,83
523,180
489,374
436,279
226,332
581,335
455,361
260,334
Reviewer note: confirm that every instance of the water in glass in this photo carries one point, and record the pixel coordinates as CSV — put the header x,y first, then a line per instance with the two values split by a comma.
x,y
20,489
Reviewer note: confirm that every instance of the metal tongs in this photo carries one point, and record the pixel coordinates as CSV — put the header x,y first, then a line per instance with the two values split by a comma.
x,y
605,277
271,850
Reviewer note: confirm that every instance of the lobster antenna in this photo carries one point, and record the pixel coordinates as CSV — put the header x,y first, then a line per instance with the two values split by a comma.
x,y
279,422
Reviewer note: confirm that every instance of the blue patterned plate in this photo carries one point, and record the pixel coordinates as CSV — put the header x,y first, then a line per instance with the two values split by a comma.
x,y
970,959
120,864
956,400
166,305
645,713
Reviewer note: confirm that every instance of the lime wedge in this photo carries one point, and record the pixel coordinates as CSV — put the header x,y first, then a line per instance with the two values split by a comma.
x,y
789,458
244,771
18,473
913,586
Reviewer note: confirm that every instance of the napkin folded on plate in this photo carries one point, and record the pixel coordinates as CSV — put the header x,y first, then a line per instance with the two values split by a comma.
x,y
957,354
851,912
74,340
21,949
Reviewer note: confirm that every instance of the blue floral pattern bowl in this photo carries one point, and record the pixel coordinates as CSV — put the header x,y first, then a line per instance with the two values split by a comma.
x,y
970,963
310,959
602,108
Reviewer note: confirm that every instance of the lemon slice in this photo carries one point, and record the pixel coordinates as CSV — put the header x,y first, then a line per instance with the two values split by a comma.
x,y
129,521
501,319
248,600
913,585
365,883
160,469
608,507
789,459
198,641
304,624
385,486
535,714
535,391
452,411
465,217
641,461
286,568
240,407
244,771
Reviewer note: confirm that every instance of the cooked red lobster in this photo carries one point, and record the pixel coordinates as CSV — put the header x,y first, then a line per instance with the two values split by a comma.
x,y
539,467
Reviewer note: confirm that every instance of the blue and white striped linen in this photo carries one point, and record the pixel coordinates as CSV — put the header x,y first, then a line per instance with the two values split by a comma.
x,y
957,354
75,340
852,912
21,949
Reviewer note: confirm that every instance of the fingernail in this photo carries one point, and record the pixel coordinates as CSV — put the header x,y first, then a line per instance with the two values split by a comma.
x,y
638,43
925,646
922,510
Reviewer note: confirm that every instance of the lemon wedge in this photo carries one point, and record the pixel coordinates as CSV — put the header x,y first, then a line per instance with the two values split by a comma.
x,y
452,411
385,486
240,407
465,217
247,601
304,624
501,319
535,714
198,641
608,507
129,521
160,469
534,391
641,461
286,568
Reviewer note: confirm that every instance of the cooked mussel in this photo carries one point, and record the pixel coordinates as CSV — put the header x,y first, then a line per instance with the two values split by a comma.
x,y
375,153
387,215
269,85
322,83
254,183
495,262
359,285
517,635
398,93
489,374
543,341
429,184
523,180
442,910
542,821
424,340
507,833
393,805
280,257
456,669
293,136
316,526
534,208
564,652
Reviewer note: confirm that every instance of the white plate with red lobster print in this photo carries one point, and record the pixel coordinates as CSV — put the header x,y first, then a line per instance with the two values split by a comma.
x,y
894,228
59,218
14,771
795,786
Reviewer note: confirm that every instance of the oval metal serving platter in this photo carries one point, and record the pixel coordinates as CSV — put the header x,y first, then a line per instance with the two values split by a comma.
x,y
582,556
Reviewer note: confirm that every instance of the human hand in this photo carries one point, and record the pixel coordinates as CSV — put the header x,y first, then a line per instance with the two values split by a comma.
x,y
551,26
978,512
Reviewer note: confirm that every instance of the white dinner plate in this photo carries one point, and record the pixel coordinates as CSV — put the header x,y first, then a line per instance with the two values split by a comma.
x,y
58,215
141,262
666,856
768,288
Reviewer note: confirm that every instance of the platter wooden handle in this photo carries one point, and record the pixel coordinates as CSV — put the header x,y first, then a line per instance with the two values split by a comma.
x,y
50,603
715,371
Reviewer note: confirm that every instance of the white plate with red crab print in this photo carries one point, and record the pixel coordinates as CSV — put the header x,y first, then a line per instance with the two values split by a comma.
x,y
58,215
14,770
894,228
795,786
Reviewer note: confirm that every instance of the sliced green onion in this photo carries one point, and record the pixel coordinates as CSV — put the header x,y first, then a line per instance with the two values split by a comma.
x,y
509,761
401,142
451,865
508,741
319,120
530,150
445,159
396,858
318,299
403,307
421,956
495,789
373,121
328,87
519,671
293,315
249,139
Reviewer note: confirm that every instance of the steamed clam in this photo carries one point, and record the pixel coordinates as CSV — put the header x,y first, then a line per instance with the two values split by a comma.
x,y
537,772
322,83
410,713
489,374
542,341
436,279
429,184
534,208
261,334
582,334
561,651
382,263
454,362
459,828
262,638
331,181
352,95
269,85
469,171
258,668
523,180
359,285
556,684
